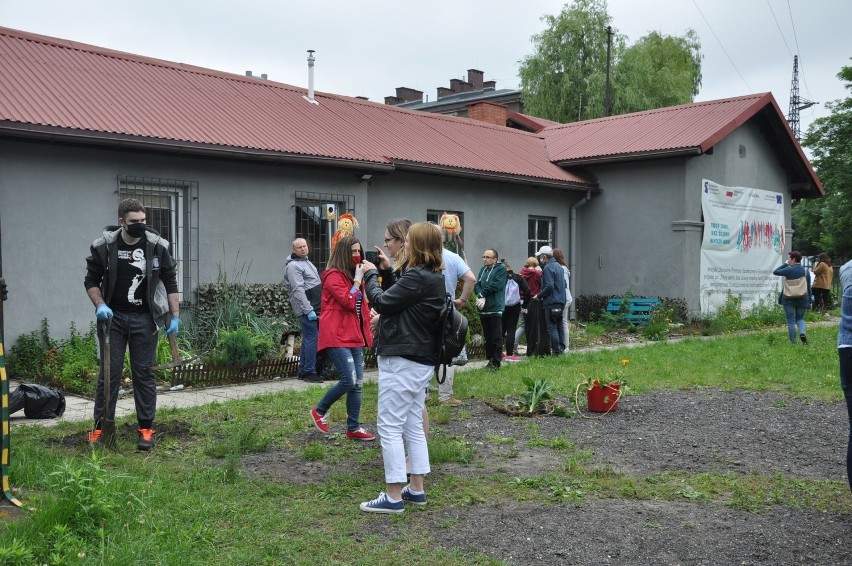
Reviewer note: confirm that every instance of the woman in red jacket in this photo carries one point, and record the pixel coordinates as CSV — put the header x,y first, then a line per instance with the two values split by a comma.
x,y
344,332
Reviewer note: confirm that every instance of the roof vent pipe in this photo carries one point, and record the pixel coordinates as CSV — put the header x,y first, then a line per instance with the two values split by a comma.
x,y
310,97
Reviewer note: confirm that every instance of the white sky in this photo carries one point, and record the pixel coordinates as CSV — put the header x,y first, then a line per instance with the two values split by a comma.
x,y
369,47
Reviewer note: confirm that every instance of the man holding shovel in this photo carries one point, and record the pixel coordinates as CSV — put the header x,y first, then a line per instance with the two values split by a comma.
x,y
131,281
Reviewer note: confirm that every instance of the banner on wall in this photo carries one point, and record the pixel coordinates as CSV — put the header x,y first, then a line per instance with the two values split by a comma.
x,y
743,243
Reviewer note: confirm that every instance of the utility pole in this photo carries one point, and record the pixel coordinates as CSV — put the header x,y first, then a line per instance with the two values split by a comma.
x,y
606,88
4,399
796,102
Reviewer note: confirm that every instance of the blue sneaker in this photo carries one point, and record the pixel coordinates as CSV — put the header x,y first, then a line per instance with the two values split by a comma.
x,y
382,504
415,498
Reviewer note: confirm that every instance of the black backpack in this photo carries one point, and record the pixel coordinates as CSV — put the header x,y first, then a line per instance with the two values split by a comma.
x,y
452,335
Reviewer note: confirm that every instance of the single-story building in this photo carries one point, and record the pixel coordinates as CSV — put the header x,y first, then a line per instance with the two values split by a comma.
x,y
233,168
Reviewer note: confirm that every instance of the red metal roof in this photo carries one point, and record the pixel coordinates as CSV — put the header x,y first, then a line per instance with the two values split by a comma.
x,y
54,83
688,129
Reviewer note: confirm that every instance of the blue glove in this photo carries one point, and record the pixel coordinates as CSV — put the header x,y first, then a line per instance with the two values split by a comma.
x,y
173,326
103,312
312,315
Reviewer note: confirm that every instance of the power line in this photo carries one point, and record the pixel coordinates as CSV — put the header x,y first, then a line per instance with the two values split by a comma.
x,y
796,38
722,46
784,39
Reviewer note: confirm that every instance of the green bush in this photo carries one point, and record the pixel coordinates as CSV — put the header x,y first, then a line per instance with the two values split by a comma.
x,y
590,308
79,370
27,358
236,346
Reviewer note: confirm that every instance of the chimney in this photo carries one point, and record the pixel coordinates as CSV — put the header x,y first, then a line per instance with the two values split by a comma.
x,y
458,85
489,84
248,73
310,97
409,94
488,112
444,91
474,77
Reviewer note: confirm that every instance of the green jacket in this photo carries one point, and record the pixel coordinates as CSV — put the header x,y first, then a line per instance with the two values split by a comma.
x,y
491,284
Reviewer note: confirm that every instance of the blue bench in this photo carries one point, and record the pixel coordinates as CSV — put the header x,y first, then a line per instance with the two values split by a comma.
x,y
638,309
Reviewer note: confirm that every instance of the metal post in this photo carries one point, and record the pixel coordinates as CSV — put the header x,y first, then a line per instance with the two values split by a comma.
x,y
4,397
606,88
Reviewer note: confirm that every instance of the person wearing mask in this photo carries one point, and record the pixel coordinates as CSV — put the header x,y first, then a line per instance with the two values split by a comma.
x,y
844,350
344,332
795,306
559,257
407,351
532,275
490,289
553,298
517,297
303,283
126,266
823,276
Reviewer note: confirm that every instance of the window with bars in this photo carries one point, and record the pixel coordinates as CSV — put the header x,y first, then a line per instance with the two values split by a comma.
x,y
171,208
316,221
541,231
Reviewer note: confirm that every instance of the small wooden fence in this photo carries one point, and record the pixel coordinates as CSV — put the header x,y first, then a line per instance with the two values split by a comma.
x,y
206,375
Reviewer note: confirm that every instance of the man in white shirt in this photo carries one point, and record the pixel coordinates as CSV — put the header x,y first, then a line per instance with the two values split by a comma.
x,y
455,270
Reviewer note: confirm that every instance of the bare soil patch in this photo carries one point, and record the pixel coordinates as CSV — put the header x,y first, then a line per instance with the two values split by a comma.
x,y
692,431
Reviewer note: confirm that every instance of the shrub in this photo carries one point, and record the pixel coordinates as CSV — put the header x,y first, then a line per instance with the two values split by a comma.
x,y
236,346
591,307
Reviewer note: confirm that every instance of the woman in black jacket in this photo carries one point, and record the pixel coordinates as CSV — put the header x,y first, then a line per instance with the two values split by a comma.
x,y
407,348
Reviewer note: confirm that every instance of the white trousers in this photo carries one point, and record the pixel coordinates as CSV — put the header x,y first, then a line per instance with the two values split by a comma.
x,y
566,323
402,394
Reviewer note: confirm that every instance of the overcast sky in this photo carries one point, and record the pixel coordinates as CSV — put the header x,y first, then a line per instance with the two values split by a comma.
x,y
369,47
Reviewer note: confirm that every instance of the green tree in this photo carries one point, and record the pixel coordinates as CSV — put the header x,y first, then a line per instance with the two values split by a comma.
x,y
657,71
825,224
564,79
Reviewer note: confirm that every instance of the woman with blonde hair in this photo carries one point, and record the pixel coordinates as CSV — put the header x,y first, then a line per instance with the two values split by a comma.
x,y
407,350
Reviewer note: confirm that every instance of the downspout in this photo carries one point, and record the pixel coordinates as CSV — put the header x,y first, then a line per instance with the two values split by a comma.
x,y
573,251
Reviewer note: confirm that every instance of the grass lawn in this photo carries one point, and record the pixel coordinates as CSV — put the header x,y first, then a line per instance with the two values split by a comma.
x,y
187,502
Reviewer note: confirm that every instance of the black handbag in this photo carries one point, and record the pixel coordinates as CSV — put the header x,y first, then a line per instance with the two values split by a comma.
x,y
555,314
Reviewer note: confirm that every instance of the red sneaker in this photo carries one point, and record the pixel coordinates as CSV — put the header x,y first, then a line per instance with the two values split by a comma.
x,y
320,421
360,434
147,439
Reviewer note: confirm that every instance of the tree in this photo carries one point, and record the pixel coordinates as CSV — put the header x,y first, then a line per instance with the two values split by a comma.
x,y
825,224
564,79
657,71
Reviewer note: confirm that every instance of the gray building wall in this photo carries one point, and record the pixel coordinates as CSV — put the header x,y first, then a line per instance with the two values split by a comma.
x,y
645,229
56,199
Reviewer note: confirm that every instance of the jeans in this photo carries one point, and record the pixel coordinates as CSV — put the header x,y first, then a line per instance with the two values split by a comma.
x,y
519,333
510,324
556,331
349,363
492,333
136,331
795,318
846,385
308,351
402,395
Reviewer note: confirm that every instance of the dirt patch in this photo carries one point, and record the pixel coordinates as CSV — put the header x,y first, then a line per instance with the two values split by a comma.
x,y
692,431
168,429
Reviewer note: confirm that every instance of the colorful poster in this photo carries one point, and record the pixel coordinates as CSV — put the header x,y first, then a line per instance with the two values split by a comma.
x,y
743,243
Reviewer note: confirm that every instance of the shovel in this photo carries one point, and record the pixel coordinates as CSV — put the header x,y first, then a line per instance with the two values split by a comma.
x,y
176,359
107,423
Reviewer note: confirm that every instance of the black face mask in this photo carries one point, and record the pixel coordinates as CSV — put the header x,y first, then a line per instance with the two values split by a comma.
x,y
136,230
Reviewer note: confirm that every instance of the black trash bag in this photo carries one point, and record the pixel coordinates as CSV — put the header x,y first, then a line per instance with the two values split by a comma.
x,y
38,401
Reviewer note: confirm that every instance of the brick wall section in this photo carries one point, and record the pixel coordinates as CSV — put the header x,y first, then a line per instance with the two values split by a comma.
x,y
487,112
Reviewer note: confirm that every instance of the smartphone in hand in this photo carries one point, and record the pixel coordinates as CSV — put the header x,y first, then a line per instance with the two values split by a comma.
x,y
372,257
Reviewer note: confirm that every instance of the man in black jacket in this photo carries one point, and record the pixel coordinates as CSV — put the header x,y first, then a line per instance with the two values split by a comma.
x,y
130,279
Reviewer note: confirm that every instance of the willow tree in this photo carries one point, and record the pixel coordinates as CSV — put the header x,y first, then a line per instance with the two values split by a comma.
x,y
564,79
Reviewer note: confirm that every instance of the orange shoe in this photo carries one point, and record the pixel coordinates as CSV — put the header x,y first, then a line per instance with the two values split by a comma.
x,y
147,439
